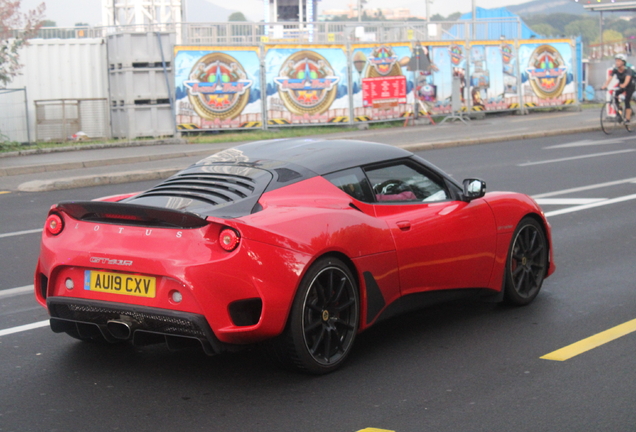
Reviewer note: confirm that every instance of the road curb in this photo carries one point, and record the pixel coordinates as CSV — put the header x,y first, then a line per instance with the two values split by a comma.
x,y
100,180
487,140
144,175
34,169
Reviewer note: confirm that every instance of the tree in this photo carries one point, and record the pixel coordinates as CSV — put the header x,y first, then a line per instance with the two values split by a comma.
x,y
454,16
16,28
237,16
544,29
82,24
630,33
49,23
437,17
586,28
610,36
558,21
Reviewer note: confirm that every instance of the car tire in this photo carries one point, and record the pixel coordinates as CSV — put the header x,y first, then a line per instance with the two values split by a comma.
x,y
323,321
527,263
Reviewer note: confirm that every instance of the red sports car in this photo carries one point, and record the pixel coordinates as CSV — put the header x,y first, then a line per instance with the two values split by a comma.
x,y
301,243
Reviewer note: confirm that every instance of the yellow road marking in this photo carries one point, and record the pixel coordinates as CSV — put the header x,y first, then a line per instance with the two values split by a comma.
x,y
4,192
592,342
375,430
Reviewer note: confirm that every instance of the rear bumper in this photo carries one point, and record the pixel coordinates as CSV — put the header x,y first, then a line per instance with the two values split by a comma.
x,y
244,295
147,325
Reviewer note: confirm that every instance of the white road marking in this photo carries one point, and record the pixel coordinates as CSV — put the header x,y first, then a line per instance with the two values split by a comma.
x,y
593,155
589,206
16,291
568,201
18,233
585,188
25,327
586,143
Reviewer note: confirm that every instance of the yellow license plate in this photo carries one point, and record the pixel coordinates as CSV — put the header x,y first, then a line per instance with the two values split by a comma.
x,y
118,283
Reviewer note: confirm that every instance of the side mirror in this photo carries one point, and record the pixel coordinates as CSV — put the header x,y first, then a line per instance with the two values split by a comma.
x,y
473,189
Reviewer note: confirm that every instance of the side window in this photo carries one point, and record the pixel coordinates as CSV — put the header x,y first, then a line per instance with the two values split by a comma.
x,y
353,182
402,182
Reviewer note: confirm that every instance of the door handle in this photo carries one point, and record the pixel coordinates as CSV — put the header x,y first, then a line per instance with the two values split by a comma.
x,y
404,225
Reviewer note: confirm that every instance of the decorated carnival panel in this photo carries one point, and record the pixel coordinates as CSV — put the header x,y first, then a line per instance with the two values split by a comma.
x,y
547,73
435,82
493,77
306,84
217,88
382,81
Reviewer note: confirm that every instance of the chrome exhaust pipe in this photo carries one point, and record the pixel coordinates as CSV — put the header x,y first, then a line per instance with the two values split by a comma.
x,y
120,329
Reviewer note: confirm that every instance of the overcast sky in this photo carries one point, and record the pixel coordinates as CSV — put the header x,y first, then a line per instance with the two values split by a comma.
x,y
67,12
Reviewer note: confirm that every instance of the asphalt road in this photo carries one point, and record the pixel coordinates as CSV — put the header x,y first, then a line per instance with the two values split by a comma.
x,y
464,366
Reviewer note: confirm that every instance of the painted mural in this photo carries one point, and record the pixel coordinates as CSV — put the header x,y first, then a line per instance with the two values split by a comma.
x,y
217,87
306,86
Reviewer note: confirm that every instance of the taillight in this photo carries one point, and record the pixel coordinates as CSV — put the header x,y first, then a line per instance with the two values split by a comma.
x,y
54,224
229,239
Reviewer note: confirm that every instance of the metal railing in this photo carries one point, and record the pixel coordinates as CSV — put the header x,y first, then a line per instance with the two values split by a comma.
x,y
58,119
244,33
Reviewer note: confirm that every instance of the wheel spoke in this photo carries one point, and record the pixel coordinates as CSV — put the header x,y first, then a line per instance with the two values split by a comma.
x,y
520,243
533,240
316,344
328,346
344,324
536,251
517,270
338,341
315,308
521,281
320,291
314,325
339,292
345,305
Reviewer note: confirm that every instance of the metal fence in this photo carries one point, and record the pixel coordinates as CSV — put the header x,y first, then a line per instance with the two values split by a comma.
x,y
14,116
240,33
59,119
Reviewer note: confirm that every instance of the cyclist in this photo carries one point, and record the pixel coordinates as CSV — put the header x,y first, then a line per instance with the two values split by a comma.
x,y
625,76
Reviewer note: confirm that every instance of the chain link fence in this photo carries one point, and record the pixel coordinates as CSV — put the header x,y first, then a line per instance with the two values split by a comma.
x,y
14,117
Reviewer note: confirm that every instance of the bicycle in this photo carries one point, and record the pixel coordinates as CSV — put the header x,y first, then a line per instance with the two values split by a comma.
x,y
613,114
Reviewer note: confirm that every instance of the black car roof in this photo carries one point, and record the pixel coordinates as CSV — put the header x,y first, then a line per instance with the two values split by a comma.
x,y
317,155
230,183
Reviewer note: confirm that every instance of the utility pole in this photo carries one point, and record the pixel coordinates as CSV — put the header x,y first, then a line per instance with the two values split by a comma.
x,y
428,11
602,45
474,15
359,10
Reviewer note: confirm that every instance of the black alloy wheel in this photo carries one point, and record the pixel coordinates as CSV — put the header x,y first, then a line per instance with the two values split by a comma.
x,y
527,263
324,319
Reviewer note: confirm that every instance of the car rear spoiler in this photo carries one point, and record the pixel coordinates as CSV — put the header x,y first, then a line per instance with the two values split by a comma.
x,y
130,214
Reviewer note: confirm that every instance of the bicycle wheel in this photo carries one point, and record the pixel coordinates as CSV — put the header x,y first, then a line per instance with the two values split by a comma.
x,y
627,125
609,122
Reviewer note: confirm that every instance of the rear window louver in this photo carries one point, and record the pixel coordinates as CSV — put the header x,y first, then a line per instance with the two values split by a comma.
x,y
215,189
